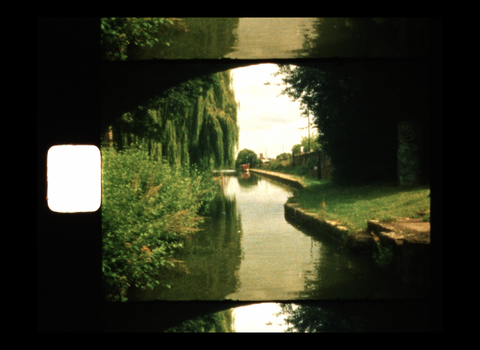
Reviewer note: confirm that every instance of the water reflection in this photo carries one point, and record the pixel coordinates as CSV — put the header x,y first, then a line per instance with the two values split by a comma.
x,y
212,257
313,317
352,276
247,251
264,38
269,38
204,38
366,37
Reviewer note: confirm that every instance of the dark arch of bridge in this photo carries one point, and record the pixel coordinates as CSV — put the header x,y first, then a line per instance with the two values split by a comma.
x,y
126,85
161,316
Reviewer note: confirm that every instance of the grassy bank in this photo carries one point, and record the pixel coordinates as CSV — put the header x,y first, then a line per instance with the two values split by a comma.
x,y
303,173
355,205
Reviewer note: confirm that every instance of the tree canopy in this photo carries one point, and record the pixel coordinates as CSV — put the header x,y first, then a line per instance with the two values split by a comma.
x,y
284,156
246,156
192,123
313,144
356,111
296,148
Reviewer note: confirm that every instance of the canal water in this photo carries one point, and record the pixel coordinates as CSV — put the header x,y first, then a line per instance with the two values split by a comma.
x,y
248,251
273,38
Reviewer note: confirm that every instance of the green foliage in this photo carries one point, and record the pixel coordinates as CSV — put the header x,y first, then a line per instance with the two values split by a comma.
x,y
313,143
192,123
296,148
148,207
246,156
207,38
301,170
119,32
275,165
314,319
284,156
366,37
344,317
305,169
356,113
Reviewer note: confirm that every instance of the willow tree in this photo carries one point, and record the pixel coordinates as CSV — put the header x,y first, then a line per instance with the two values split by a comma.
x,y
192,123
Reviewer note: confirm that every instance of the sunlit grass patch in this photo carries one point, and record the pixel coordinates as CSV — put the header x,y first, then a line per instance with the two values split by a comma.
x,y
355,205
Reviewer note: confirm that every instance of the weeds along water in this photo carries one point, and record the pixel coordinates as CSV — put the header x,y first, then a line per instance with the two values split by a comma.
x,y
148,208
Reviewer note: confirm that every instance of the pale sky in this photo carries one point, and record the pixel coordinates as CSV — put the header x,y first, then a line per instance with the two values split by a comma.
x,y
268,124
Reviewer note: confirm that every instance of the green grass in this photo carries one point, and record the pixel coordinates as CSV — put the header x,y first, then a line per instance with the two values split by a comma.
x,y
300,172
355,205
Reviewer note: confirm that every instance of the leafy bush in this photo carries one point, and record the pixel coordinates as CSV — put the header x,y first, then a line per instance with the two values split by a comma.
x,y
276,165
147,208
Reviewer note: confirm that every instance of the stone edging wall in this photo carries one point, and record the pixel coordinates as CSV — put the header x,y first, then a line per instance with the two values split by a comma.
x,y
280,177
330,229
411,259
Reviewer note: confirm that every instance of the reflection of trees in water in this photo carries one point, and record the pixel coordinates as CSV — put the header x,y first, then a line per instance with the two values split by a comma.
x,y
212,257
338,270
223,180
372,37
216,251
353,277
342,37
204,38
409,316
247,181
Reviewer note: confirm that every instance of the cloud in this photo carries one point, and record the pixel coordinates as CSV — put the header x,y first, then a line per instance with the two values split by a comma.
x,y
266,120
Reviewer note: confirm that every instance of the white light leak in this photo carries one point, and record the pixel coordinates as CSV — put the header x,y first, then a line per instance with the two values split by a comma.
x,y
74,178
258,318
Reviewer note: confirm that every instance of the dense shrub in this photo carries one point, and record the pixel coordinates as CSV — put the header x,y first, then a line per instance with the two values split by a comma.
x,y
147,208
